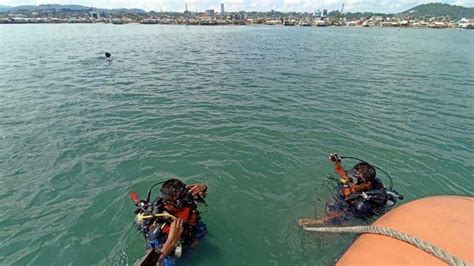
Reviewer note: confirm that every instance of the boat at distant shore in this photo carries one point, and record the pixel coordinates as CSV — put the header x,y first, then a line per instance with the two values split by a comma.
x,y
289,22
305,23
118,21
468,26
438,25
321,23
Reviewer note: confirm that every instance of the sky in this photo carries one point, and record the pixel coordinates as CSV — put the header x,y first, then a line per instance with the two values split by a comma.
x,y
385,6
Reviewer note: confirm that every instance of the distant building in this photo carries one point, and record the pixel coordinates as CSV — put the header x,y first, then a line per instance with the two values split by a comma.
x,y
187,13
325,12
210,12
317,13
222,8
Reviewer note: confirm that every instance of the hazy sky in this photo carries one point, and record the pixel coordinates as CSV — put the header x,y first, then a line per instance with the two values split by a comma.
x,y
248,5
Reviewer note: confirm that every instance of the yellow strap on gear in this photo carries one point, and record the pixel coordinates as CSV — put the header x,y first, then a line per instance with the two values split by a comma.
x,y
158,215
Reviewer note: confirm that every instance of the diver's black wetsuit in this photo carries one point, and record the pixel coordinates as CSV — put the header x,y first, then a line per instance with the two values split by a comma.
x,y
350,210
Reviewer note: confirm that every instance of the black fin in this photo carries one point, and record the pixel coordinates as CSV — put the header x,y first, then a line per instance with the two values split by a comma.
x,y
150,259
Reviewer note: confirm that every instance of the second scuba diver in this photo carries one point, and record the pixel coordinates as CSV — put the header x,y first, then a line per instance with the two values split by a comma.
x,y
360,195
172,222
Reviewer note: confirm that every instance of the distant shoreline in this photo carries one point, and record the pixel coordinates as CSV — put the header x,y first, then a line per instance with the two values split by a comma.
x,y
433,15
213,25
374,21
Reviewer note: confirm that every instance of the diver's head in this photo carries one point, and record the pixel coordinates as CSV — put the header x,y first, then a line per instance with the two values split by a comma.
x,y
173,193
362,172
107,54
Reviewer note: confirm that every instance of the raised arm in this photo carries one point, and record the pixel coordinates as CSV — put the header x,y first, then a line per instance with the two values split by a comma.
x,y
350,187
336,163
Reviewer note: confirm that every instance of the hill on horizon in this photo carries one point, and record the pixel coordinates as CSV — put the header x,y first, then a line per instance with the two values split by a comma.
x,y
440,10
58,7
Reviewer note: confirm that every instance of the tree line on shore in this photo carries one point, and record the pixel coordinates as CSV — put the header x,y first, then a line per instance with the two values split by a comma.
x,y
420,11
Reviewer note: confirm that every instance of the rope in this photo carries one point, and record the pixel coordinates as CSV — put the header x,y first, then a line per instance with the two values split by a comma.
x,y
425,246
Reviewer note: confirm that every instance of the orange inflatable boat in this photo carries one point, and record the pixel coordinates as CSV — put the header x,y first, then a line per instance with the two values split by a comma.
x,y
444,221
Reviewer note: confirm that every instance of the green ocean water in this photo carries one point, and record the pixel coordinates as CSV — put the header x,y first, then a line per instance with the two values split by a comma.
x,y
251,111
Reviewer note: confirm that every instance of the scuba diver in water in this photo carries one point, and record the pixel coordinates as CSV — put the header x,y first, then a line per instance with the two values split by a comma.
x,y
360,195
172,222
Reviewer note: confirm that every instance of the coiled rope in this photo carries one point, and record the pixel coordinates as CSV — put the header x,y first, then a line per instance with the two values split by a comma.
x,y
423,245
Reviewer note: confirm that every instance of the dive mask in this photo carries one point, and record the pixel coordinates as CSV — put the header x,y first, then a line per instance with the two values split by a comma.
x,y
177,203
354,177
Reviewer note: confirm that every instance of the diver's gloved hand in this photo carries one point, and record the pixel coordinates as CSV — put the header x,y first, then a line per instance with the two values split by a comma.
x,y
197,190
334,158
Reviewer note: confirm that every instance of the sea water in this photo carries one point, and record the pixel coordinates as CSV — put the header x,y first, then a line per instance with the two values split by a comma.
x,y
252,111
